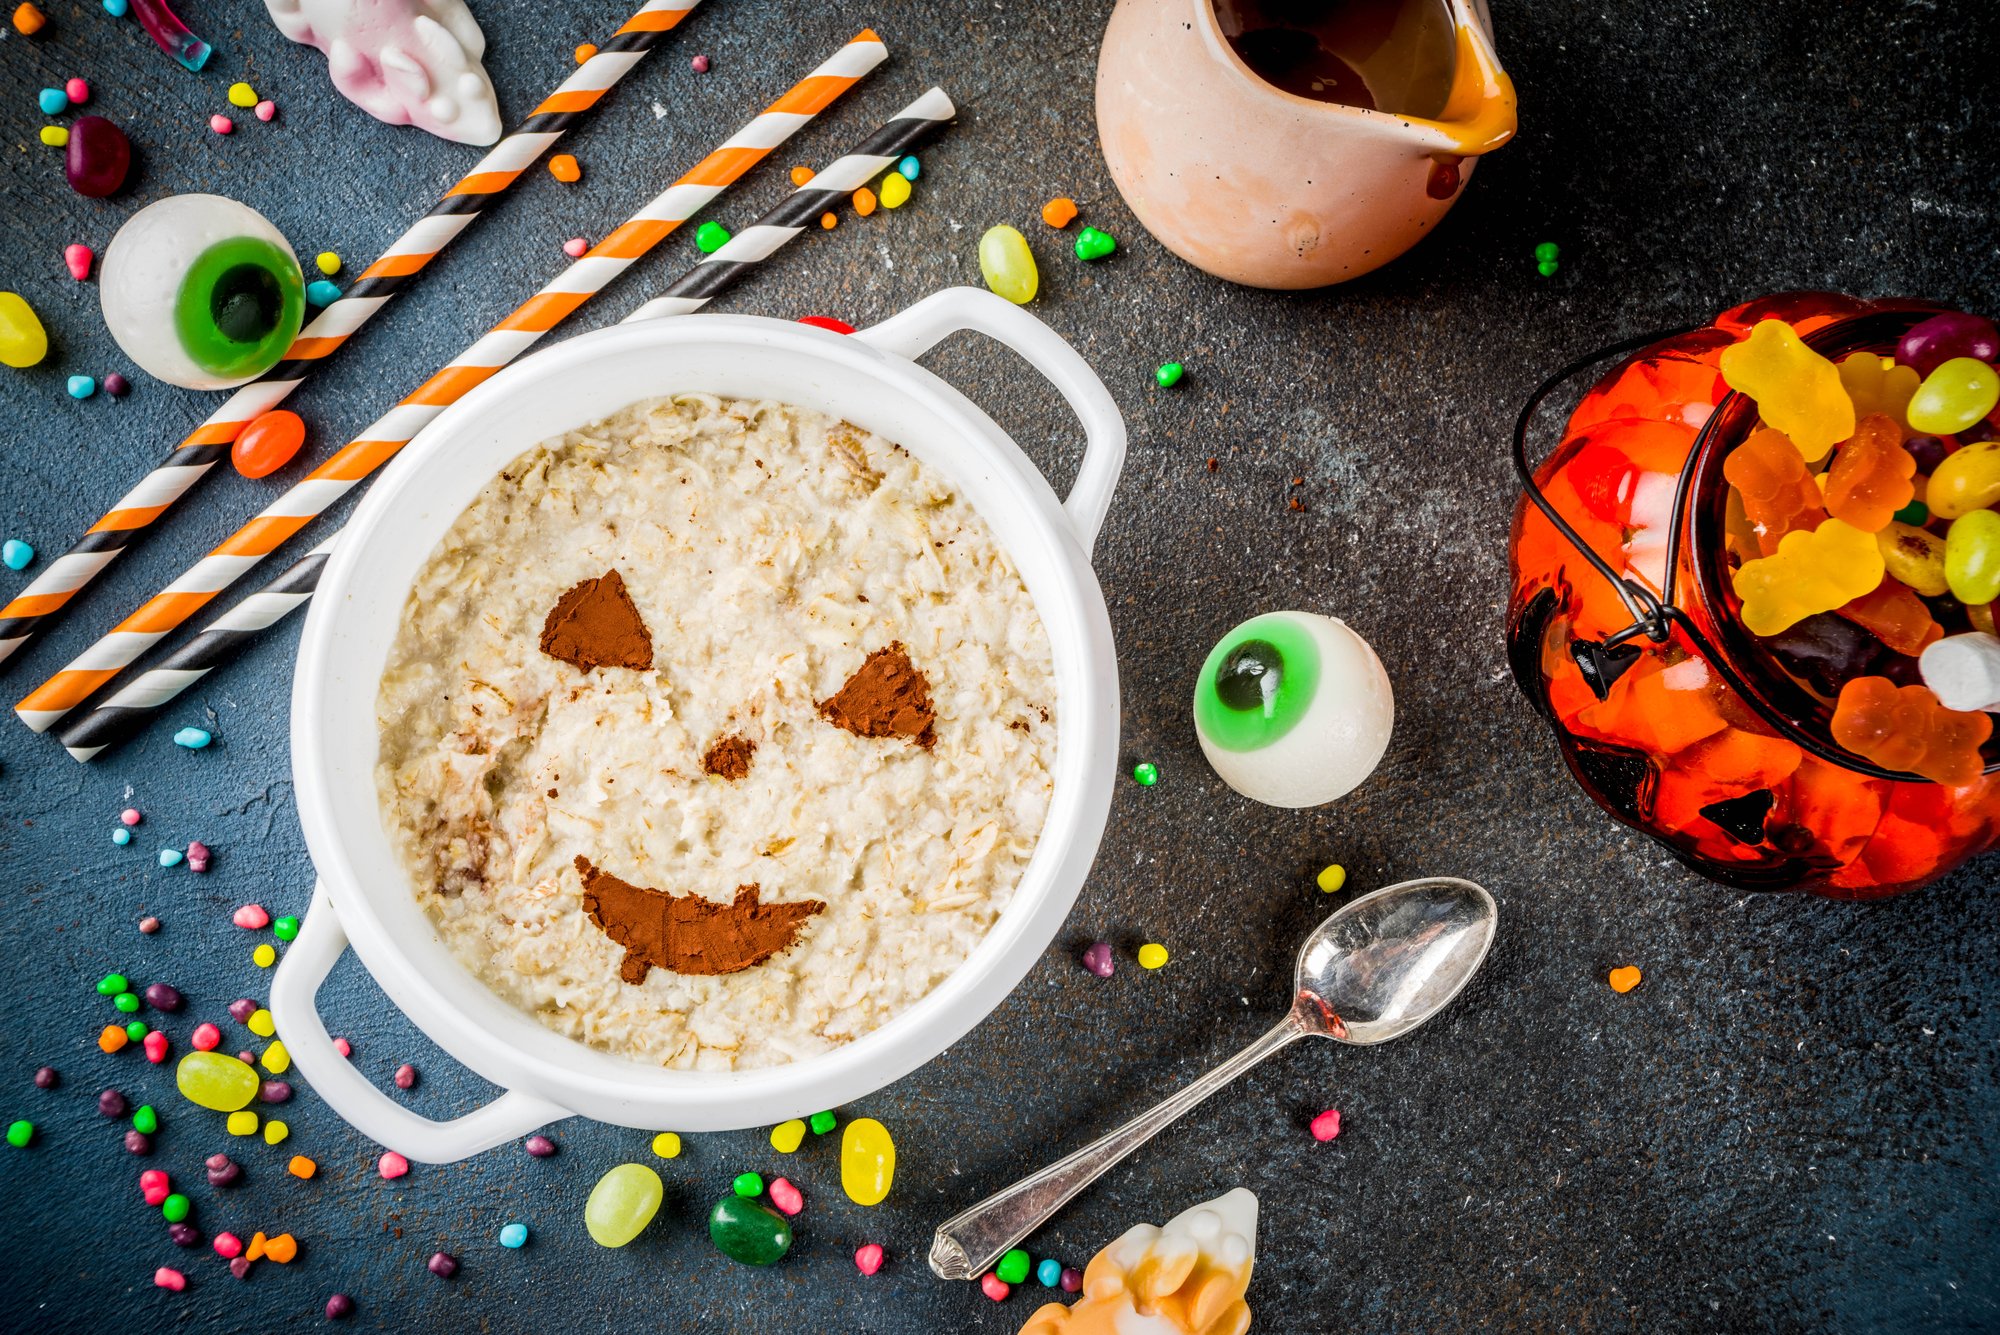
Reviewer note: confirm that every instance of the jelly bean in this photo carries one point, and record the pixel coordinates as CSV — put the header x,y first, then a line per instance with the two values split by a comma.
x,y
786,1137
1152,955
1091,244
77,90
18,555
1966,481
749,1231
216,1080
1928,451
1168,374
1012,1268
1914,557
868,1259
1007,265
268,443
867,1161
1915,513
1953,397
788,1198
895,191
748,1185
1796,390
513,1236
97,158
1049,1273
52,101
23,341
909,168
1963,671
1972,557
622,1203
1937,340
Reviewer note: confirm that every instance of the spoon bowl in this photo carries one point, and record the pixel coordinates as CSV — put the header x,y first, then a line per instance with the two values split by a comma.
x,y
1385,963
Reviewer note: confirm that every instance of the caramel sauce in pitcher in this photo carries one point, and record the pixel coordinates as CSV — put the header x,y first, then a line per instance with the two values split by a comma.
x,y
1397,56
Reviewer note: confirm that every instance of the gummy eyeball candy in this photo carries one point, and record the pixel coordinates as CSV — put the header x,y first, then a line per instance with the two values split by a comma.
x,y
202,291
1293,709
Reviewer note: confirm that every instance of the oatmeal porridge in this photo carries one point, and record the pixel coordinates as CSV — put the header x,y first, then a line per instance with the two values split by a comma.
x,y
716,733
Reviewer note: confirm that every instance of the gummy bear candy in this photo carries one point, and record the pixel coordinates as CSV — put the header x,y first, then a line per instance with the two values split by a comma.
x,y
1893,614
1187,1278
1779,494
1870,477
1878,385
1796,390
1810,572
1905,728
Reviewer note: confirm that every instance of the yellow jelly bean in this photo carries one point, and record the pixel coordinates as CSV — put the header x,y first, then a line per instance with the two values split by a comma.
x,y
1152,955
260,1023
788,1136
276,1060
1972,557
1007,265
216,1080
275,1132
242,95
667,1145
1797,391
895,191
242,1123
1955,396
1914,556
622,1203
1966,481
867,1161
55,136
23,341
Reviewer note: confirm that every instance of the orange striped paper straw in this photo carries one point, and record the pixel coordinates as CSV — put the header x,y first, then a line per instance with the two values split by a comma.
x,y
36,607
507,340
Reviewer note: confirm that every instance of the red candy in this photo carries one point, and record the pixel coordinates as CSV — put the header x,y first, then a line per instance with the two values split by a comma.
x,y
786,1196
1327,1125
1604,479
994,1287
156,1047
155,1186
169,1278
1905,728
827,322
268,443
206,1038
869,1258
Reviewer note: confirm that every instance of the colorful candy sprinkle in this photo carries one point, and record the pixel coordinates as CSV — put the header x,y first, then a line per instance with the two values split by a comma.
x,y
117,9
822,1122
241,1009
1169,374
20,1134
1331,878
171,857
111,1103
276,1059
513,1236
117,386
748,1185
700,64
584,51
275,1132
442,1264
391,1165
164,997
251,918
564,168
130,816
895,191
264,956
155,1186
112,1038
801,175
301,1167
15,554
343,1047
1327,1125
46,1077
1072,1280
868,1259
1092,244
166,1276
864,201
176,1208
223,1171
285,928
243,1123
1098,959
667,1145
339,1307
576,247
710,237
828,222
994,1287
52,101
29,20
228,1246
786,1137
1152,955
1049,1273
1145,774
121,837
321,292
193,738
221,124
541,1147
77,258
55,136
80,386
266,109
406,1076
241,94
786,1196
1624,978
1012,1268
909,168
198,854
156,1047
1059,212
206,1038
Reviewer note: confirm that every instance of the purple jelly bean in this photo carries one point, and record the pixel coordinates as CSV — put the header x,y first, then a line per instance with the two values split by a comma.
x,y
111,1103
1928,451
1098,959
274,1091
242,1009
184,1235
138,1142
339,1307
1937,340
162,997
46,1077
99,156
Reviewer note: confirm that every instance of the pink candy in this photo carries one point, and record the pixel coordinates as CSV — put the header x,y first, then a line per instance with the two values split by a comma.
x,y
343,1047
221,124
130,816
156,1047
786,1196
266,109
228,1246
78,257
1327,1125
392,1165
155,1186
169,1278
576,247
994,1287
250,917
77,90
699,64
206,1038
869,1259
198,855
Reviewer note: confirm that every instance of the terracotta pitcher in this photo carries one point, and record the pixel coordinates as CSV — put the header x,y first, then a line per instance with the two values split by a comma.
x,y
1260,186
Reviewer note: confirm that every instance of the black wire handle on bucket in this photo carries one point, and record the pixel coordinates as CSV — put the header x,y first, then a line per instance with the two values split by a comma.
x,y
1655,615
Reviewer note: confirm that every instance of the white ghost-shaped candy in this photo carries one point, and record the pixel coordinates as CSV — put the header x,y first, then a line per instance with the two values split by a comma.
x,y
404,62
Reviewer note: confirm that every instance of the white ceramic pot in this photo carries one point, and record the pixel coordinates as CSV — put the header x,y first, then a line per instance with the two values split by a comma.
x,y
363,898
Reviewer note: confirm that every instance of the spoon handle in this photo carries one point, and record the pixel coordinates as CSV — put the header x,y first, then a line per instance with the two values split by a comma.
x,y
968,1243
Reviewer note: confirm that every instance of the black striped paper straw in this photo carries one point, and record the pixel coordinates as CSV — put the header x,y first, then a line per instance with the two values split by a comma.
x,y
124,714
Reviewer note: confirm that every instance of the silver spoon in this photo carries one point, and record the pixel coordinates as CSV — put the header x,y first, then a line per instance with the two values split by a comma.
x,y
1375,970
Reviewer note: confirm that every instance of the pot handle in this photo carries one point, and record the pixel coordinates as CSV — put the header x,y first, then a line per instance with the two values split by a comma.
x,y
367,1109
921,327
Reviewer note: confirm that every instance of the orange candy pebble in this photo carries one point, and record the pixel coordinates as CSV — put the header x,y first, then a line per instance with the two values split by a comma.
x,y
1059,212
1624,978
1871,476
259,1246
1893,614
563,167
1905,728
1778,493
828,221
801,175
268,443
29,20
585,52
282,1248
113,1038
864,201
301,1167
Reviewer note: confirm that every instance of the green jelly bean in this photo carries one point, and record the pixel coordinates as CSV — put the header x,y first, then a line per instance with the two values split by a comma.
x,y
1953,397
216,1080
1546,251
286,928
1013,1267
1967,480
622,1203
1008,265
145,1119
126,1001
749,1231
1092,244
175,1208
750,1185
1916,514
1169,374
1972,557
19,1134
823,1122
112,984
1145,774
137,1031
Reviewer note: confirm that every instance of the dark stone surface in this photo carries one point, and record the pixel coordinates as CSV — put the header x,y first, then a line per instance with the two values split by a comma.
x,y
1788,1126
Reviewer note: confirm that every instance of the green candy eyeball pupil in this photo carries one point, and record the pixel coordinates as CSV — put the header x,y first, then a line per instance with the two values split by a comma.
x,y
239,306
1250,676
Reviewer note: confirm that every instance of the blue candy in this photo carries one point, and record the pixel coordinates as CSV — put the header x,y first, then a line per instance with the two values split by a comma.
x,y
171,857
53,101
81,387
910,168
514,1235
121,837
16,554
1049,1272
117,8
320,292
193,738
